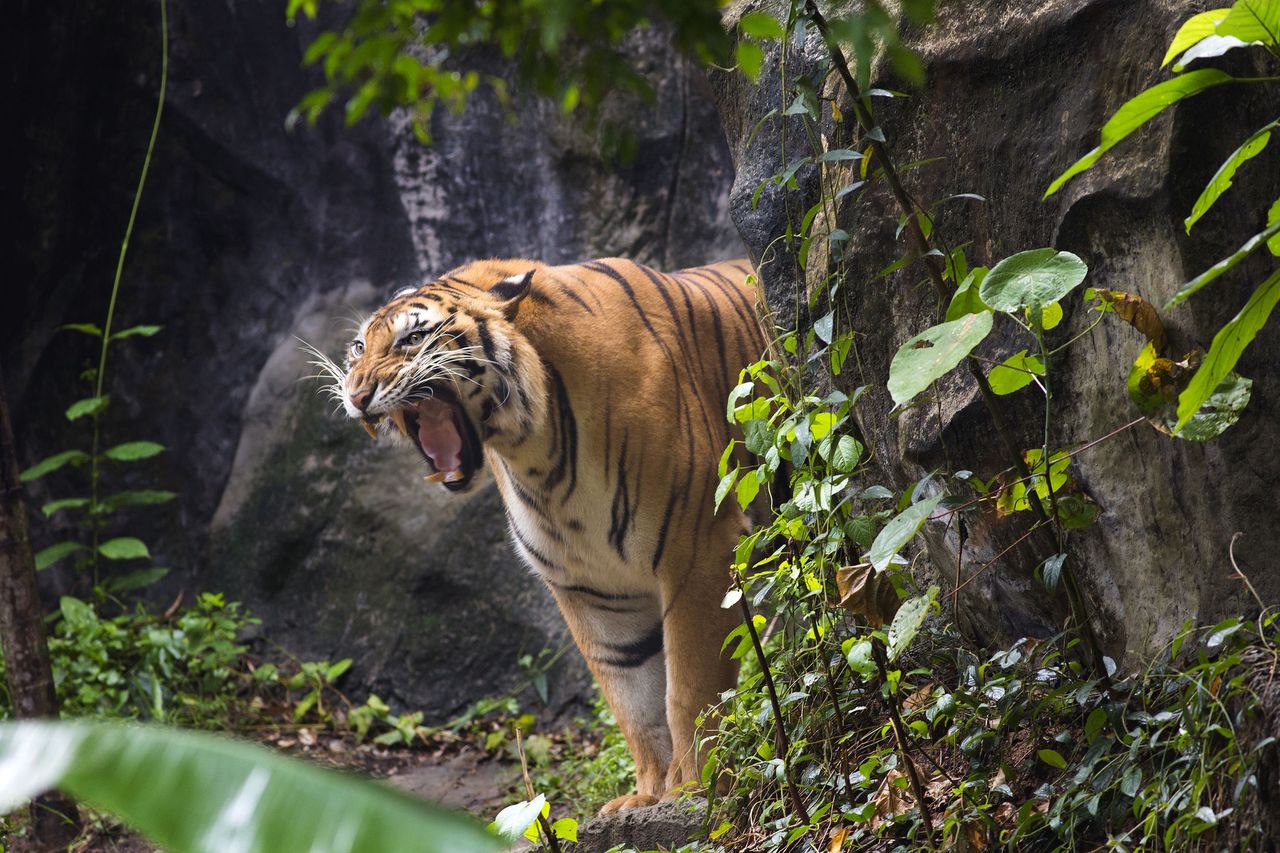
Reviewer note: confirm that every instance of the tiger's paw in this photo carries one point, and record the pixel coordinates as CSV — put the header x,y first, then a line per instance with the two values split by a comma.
x,y
629,801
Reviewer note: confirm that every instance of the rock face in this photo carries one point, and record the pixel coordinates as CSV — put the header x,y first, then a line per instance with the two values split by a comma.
x,y
250,235
665,826
1015,92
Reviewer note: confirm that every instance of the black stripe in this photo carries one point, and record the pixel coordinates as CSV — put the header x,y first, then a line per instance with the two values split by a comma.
x,y
566,429
595,593
486,340
620,510
569,292
718,326
632,655
532,551
678,386
459,280
662,532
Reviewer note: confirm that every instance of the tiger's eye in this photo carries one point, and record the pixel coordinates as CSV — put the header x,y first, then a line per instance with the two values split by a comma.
x,y
357,348
413,339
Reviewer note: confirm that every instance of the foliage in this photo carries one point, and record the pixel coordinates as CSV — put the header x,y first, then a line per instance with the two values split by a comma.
x,y
862,719
423,54
197,792
95,509
1247,23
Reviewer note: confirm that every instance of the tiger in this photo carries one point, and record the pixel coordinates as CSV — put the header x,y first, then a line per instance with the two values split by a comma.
x,y
594,395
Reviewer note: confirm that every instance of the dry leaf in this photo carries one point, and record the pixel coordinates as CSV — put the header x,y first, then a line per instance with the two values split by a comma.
x,y
916,700
868,593
837,840
976,834
890,799
1137,312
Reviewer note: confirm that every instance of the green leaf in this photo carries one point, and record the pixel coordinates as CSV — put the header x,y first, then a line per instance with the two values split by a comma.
x,y
135,580
143,331
824,326
761,26
1193,30
123,548
87,406
1033,279
906,623
1221,180
48,556
966,299
1253,20
191,792
750,59
513,821
860,658
133,450
1220,411
1262,237
1093,725
1051,316
63,503
565,829
1051,571
1053,758
933,352
1131,782
899,531
848,451
1208,48
335,672
1138,111
142,497
726,483
89,329
748,488
1273,218
1015,372
52,463
1226,349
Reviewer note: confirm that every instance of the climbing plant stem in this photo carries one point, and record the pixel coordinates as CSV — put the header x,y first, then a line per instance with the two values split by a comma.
x,y
100,377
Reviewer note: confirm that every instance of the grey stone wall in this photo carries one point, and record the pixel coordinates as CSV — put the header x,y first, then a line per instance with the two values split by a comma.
x,y
1016,92
250,236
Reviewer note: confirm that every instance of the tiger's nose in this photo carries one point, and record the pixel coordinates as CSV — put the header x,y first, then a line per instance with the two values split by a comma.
x,y
360,399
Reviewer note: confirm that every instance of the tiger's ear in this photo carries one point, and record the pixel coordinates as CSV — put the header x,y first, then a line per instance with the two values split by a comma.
x,y
511,291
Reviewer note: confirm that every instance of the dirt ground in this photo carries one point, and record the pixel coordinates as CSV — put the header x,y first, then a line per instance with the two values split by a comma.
x,y
457,775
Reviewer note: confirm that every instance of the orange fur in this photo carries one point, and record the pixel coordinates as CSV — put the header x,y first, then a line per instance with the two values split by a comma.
x,y
597,393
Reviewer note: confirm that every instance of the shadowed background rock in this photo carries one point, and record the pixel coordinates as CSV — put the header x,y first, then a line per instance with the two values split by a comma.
x,y
248,236
1015,92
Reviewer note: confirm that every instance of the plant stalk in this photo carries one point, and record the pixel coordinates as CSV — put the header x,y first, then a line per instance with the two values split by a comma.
x,y
782,744
100,377
911,211
900,735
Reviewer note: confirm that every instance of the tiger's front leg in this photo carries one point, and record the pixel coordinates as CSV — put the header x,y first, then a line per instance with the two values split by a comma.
x,y
621,637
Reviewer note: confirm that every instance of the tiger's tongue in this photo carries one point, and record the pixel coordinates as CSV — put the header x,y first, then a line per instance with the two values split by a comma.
x,y
438,435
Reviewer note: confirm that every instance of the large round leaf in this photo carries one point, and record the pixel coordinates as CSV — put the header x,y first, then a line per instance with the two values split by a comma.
x,y
199,793
1032,279
933,352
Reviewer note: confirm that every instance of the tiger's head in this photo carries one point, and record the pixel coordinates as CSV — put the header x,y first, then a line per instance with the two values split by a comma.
x,y
445,365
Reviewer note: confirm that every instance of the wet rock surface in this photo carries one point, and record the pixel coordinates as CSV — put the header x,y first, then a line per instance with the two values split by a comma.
x,y
1015,93
661,827
249,235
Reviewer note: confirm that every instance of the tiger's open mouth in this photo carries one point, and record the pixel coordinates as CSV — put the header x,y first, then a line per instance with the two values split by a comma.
x,y
444,436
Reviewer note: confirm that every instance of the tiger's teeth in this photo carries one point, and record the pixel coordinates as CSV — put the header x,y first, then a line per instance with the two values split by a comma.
x,y
453,476
371,429
437,477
